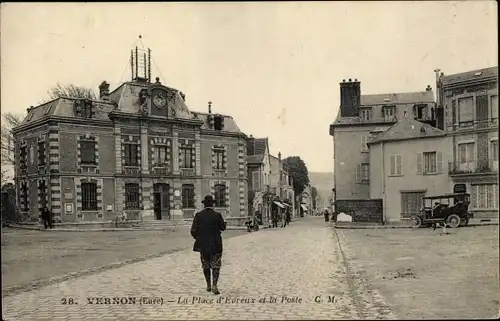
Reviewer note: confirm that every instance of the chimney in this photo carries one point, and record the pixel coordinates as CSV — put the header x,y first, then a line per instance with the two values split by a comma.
x,y
279,156
350,98
209,107
104,91
429,88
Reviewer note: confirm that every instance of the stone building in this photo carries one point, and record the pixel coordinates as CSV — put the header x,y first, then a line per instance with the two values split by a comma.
x,y
361,115
281,183
259,173
410,160
470,101
137,150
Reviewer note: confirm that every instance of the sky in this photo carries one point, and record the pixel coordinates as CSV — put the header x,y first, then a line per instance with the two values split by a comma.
x,y
275,67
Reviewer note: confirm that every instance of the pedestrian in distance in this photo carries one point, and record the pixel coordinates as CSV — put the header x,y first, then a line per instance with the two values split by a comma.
x,y
327,215
288,217
47,218
206,230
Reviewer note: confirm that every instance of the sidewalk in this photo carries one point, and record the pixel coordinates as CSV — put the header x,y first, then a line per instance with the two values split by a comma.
x,y
404,224
105,229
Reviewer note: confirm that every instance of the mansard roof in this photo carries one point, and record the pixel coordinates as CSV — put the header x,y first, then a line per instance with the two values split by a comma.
x,y
124,99
407,128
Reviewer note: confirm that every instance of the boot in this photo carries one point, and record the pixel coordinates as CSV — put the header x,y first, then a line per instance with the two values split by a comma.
x,y
206,273
215,273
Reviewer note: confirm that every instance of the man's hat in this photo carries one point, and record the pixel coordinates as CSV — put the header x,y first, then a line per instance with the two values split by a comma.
x,y
209,200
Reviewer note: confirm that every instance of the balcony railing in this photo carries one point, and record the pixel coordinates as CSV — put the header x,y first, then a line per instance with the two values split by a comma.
x,y
477,124
474,167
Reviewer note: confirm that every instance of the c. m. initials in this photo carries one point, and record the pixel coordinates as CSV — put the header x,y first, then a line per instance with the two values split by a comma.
x,y
331,299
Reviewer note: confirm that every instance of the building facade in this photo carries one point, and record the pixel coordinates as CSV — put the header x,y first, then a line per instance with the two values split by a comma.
x,y
282,183
259,177
361,115
470,101
410,160
136,151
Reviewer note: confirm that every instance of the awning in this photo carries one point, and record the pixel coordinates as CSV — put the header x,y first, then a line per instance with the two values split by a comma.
x,y
303,207
279,204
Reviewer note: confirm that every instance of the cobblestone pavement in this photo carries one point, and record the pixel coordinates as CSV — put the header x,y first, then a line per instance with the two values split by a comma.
x,y
296,265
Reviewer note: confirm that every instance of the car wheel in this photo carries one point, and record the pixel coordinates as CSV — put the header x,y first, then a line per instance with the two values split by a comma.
x,y
453,221
415,221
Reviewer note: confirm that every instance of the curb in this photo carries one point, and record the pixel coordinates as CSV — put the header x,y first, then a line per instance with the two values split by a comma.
x,y
9,291
399,227
117,229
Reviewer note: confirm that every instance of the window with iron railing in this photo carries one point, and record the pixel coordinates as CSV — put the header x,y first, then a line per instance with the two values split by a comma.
x,y
132,196
89,196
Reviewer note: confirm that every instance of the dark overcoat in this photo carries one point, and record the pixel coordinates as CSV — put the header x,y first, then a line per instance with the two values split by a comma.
x,y
206,230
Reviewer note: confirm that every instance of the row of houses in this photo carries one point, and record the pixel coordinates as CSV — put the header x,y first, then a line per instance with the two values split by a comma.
x,y
140,151
414,144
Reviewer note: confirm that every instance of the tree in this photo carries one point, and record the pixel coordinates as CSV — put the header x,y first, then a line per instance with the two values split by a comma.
x,y
298,170
10,120
71,91
314,194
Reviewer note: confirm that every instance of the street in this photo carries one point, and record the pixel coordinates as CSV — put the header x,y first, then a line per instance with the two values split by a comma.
x,y
292,267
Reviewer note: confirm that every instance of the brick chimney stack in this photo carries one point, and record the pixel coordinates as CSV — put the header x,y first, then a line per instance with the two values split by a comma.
x,y
104,91
350,98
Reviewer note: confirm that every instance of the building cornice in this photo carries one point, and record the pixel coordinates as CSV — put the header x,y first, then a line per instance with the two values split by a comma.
x,y
403,139
469,82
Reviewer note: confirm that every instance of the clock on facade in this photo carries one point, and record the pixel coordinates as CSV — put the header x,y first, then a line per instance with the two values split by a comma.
x,y
159,100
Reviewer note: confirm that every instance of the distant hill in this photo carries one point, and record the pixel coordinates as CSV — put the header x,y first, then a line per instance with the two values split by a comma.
x,y
323,183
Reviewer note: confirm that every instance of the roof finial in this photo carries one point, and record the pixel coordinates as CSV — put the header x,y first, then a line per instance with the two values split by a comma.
x,y
209,107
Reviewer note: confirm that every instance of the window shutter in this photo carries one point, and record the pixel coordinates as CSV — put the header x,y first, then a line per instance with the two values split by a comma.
x,y
358,173
363,143
393,165
399,166
419,164
439,162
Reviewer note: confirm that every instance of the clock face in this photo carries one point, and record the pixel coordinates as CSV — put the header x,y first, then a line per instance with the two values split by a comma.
x,y
159,101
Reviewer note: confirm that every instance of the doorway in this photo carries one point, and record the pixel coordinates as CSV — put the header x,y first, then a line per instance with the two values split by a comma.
x,y
161,201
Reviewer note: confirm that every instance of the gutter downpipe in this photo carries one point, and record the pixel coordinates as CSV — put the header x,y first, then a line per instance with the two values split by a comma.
x,y
384,214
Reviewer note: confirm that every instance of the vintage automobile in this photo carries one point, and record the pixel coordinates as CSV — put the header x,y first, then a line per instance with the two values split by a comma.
x,y
450,208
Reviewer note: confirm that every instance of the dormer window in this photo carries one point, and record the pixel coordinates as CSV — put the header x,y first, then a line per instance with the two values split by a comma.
x,y
420,111
83,108
388,111
218,122
365,114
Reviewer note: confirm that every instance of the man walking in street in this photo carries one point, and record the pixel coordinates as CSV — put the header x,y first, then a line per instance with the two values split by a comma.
x,y
206,230
47,218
